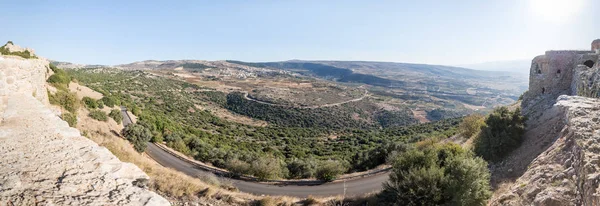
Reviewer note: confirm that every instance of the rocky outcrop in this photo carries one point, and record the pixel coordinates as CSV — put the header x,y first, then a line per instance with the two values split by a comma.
x,y
567,169
44,161
568,172
16,48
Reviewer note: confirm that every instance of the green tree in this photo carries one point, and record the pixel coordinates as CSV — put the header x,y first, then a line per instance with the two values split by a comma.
x,y
502,133
437,174
266,168
237,167
59,77
138,135
298,168
471,125
329,170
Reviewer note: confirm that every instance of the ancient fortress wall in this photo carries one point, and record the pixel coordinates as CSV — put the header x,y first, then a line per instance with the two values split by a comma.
x,y
563,84
20,76
568,72
596,46
43,161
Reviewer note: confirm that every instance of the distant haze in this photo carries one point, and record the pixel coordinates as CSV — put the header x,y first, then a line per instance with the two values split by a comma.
x,y
515,66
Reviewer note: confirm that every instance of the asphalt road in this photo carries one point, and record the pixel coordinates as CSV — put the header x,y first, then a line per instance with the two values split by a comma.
x,y
352,187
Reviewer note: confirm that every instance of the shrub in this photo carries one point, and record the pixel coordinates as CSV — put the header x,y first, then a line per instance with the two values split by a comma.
x,y
90,103
110,101
116,115
59,77
53,67
329,170
266,168
98,115
138,135
438,174
25,54
157,138
136,110
501,134
100,104
268,201
471,125
180,146
302,168
69,118
237,167
522,95
209,177
66,100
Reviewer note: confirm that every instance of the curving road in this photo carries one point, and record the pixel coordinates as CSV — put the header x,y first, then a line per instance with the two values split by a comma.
x,y
366,94
352,187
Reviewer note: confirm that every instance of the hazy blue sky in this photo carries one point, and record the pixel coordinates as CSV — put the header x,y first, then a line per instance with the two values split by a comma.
x,y
435,32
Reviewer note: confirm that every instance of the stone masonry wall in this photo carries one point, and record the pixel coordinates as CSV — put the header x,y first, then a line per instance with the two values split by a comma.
x,y
43,161
596,46
23,76
556,73
568,172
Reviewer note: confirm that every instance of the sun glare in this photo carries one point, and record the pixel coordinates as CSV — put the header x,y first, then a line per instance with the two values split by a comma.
x,y
556,11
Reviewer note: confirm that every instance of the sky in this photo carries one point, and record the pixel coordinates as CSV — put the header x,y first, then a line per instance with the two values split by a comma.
x,y
433,32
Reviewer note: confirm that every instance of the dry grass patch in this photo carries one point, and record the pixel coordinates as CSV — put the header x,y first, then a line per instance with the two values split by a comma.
x,y
164,180
174,184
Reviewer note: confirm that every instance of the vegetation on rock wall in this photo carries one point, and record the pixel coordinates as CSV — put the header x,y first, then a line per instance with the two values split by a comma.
x,y
70,118
60,79
25,54
66,100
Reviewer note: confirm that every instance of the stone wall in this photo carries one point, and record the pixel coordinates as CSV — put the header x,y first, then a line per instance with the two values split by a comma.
x,y
556,73
596,46
43,161
23,76
568,171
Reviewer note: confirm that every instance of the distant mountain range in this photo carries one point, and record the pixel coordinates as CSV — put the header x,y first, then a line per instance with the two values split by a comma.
x,y
507,75
516,66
